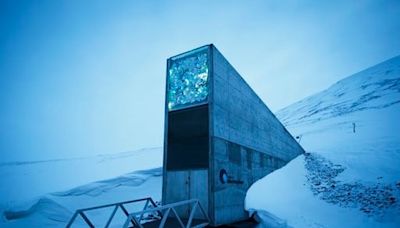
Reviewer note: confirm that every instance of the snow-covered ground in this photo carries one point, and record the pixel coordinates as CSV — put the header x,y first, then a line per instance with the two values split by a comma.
x,y
350,176
346,178
103,179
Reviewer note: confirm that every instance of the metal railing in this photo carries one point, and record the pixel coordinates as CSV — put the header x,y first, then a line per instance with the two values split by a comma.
x,y
81,212
165,211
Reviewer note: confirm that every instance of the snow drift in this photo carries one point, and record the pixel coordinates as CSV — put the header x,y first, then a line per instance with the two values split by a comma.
x,y
350,176
53,203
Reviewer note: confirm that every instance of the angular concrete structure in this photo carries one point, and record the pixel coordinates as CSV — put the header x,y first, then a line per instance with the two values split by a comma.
x,y
219,136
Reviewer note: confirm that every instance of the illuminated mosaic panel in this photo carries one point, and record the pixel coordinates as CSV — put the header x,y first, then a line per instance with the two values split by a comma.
x,y
188,81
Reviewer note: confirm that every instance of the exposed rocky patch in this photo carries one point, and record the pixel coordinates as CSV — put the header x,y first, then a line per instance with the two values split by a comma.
x,y
373,199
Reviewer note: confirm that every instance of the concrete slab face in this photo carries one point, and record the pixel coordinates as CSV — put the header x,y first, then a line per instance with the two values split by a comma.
x,y
242,122
240,116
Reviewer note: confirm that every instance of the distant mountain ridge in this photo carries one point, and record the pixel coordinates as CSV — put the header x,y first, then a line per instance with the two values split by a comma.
x,y
374,87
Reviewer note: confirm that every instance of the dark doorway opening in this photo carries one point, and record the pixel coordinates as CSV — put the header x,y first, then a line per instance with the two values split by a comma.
x,y
188,138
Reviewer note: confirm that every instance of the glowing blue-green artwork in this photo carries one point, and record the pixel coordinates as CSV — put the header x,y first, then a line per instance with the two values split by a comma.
x,y
188,81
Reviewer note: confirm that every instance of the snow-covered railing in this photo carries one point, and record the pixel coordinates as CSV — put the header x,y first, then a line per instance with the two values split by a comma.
x,y
122,205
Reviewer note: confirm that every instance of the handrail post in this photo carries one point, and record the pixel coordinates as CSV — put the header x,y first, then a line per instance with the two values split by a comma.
x,y
204,212
71,221
177,217
164,219
87,220
127,213
191,215
144,208
155,205
112,216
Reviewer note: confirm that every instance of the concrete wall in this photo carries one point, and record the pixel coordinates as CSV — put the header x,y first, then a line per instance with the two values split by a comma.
x,y
240,116
247,140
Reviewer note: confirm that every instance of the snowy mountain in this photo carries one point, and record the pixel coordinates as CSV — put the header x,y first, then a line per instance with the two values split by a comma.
x,y
350,176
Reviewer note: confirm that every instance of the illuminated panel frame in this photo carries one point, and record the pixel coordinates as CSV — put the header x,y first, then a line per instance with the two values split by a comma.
x,y
188,77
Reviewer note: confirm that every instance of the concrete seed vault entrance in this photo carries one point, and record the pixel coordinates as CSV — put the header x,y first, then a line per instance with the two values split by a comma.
x,y
219,136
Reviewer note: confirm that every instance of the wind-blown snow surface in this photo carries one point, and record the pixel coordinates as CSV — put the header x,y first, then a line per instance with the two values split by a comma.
x,y
347,178
45,193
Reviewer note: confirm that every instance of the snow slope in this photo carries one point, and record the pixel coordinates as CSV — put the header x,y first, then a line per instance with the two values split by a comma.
x,y
45,193
350,176
57,175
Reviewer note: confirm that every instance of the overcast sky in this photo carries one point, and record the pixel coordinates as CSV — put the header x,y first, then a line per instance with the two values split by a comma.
x,y
79,78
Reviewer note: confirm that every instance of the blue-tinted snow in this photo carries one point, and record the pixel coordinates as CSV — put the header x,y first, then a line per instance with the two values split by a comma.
x,y
70,184
347,179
